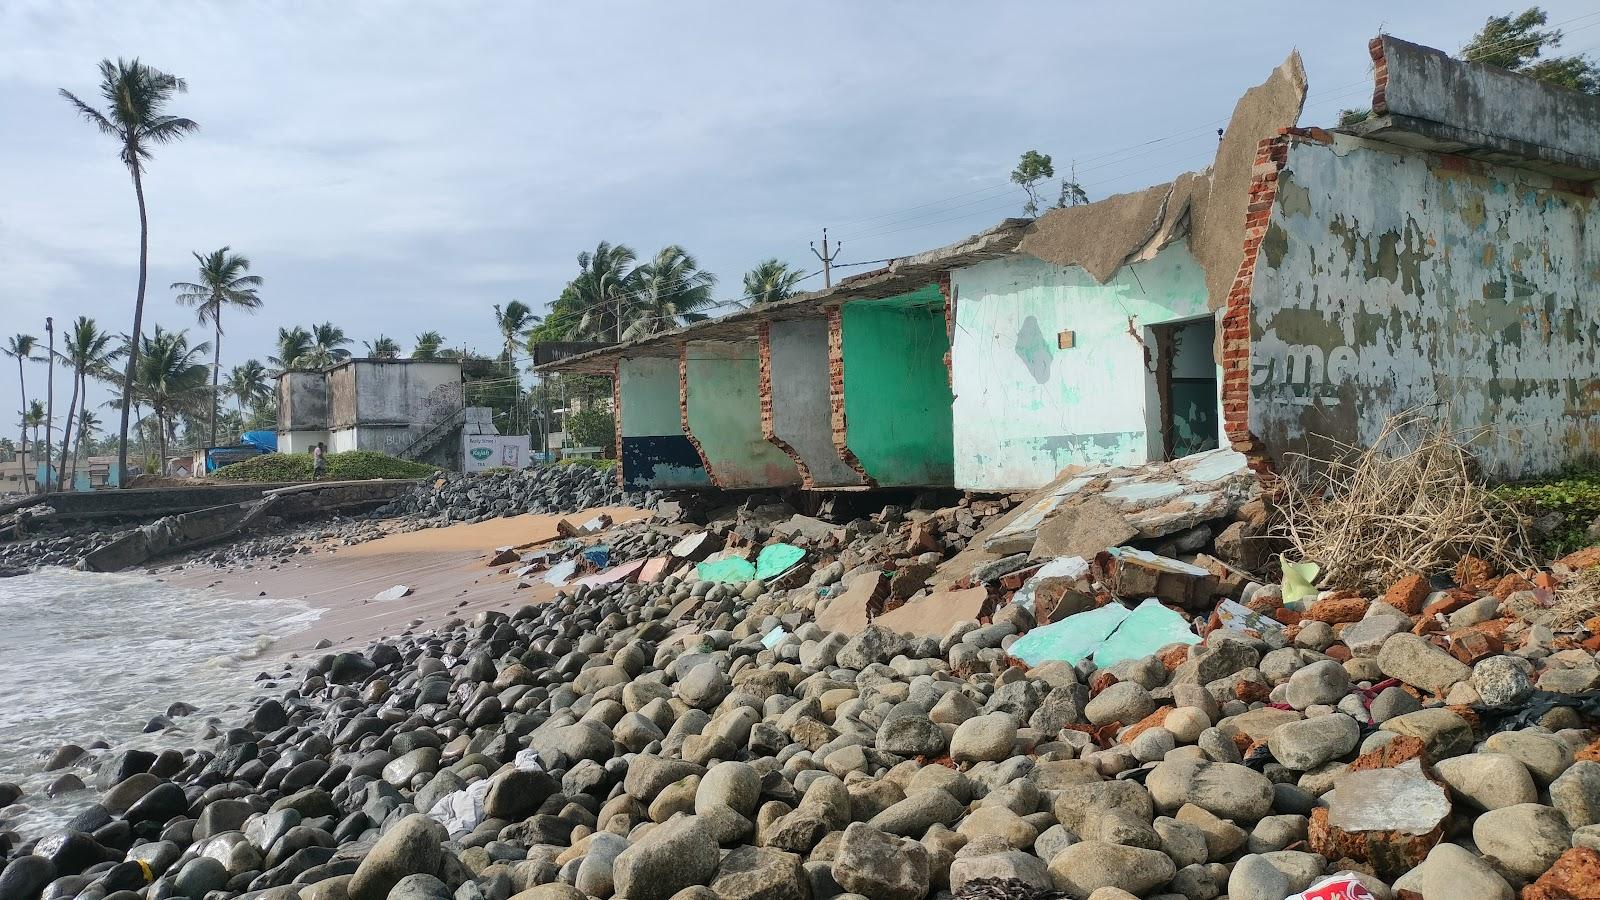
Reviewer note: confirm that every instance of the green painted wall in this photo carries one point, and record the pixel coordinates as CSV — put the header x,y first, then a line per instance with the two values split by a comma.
x,y
896,393
724,406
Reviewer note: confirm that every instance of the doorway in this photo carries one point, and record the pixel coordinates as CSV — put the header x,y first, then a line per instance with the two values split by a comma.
x,y
1185,374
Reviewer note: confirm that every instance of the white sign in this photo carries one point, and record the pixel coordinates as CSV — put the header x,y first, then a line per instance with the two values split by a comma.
x,y
481,452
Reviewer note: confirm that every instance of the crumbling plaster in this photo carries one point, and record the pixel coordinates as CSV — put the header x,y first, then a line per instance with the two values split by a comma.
x,y
1392,279
721,402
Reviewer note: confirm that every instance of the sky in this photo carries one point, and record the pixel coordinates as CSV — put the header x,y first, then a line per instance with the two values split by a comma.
x,y
401,167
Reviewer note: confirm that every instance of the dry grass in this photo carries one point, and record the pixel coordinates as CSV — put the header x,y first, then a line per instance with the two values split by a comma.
x,y
1412,502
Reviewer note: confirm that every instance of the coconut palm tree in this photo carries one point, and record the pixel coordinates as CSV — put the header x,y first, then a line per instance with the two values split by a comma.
x,y
136,97
88,423
88,351
222,283
602,290
428,344
293,343
20,347
771,281
34,417
247,384
513,322
327,347
668,290
171,378
382,347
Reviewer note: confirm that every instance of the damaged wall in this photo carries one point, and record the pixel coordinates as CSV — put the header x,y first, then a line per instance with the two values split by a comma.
x,y
655,451
1390,279
896,392
721,397
797,407
1025,408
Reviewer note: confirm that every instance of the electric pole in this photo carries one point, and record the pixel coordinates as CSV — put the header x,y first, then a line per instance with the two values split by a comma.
x,y
50,396
827,258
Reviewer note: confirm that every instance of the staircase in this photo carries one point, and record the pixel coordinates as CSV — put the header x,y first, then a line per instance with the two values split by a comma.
x,y
434,436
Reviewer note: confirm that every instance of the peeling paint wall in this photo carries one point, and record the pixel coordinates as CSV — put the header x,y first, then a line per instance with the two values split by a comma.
x,y
655,451
722,404
1392,279
1024,408
797,361
896,393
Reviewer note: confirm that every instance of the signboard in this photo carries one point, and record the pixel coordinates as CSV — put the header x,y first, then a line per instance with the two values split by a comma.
x,y
481,452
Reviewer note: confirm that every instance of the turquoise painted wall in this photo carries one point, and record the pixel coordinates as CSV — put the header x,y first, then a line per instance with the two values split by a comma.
x,y
896,392
724,406
1025,409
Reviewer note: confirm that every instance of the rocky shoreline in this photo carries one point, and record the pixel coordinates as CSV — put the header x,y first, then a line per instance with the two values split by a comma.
x,y
669,737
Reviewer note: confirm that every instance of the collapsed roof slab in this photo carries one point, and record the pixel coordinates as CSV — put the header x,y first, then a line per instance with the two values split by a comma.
x,y
1426,100
720,399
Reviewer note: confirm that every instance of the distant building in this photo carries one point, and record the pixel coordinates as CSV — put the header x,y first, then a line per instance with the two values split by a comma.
x,y
402,407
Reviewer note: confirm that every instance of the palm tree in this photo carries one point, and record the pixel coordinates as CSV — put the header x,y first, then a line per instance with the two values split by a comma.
x,y
327,346
136,97
382,347
88,351
34,417
293,343
247,384
771,281
88,422
20,348
514,323
669,288
605,279
428,344
222,283
170,378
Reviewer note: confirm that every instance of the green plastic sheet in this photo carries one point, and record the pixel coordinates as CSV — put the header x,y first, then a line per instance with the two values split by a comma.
x,y
1072,639
725,569
1147,629
776,559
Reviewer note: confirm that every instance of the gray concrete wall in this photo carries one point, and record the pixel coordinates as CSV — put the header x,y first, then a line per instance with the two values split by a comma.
x,y
1425,98
801,420
395,392
302,401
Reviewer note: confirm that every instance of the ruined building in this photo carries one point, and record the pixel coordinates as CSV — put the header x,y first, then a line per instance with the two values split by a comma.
x,y
1443,254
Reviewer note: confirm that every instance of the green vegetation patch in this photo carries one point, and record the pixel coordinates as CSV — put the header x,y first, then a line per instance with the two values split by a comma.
x,y
1574,495
355,465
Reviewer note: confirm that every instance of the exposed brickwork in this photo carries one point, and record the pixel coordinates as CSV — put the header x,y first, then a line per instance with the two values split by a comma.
x,y
945,292
683,408
1380,77
767,430
836,393
616,418
1271,154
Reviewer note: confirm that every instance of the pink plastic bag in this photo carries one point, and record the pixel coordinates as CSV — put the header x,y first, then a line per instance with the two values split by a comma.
x,y
1343,886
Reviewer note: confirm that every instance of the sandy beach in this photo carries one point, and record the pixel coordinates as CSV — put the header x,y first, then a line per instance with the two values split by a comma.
x,y
446,569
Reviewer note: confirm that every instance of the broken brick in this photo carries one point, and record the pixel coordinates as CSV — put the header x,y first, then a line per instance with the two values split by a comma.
x,y
1338,609
1509,585
1590,753
1472,644
1574,876
1408,594
1145,724
1251,691
1473,571
1449,603
1581,559
1100,681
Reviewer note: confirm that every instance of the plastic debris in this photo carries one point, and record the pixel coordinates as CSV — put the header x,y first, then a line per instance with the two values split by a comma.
x,y
1343,886
598,556
1298,581
774,637
725,569
394,593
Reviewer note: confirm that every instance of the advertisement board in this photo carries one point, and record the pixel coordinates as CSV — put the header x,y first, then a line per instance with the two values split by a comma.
x,y
480,452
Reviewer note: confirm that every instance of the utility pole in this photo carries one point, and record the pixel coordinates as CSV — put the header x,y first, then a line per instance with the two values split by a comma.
x,y
49,397
827,258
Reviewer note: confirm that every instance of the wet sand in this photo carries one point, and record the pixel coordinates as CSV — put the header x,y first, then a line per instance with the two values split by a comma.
x,y
446,568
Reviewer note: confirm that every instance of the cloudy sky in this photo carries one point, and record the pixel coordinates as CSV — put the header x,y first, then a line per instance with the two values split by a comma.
x,y
398,167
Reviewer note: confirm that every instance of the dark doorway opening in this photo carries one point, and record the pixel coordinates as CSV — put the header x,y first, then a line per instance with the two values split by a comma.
x,y
1186,386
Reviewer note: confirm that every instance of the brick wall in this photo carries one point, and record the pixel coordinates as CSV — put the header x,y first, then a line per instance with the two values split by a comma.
x,y
1271,154
616,420
836,393
1380,77
767,431
683,408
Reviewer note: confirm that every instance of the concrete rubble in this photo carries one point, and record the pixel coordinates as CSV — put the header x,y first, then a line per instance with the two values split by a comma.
x,y
827,733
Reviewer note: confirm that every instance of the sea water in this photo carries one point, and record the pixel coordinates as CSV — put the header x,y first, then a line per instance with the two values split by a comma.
x,y
88,657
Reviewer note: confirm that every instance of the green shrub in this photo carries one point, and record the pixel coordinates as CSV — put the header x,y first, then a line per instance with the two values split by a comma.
x,y
352,466
593,427
586,461
1574,495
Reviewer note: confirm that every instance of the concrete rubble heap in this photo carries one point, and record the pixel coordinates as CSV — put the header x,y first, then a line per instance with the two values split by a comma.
x,y
857,725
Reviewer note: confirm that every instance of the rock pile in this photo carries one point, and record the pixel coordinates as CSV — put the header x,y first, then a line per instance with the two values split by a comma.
x,y
488,495
644,741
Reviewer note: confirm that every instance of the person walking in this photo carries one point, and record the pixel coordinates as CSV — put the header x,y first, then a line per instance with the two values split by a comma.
x,y
319,461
